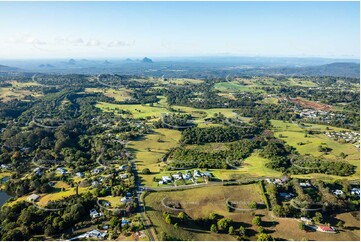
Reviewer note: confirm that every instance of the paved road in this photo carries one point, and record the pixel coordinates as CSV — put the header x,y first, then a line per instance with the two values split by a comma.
x,y
141,207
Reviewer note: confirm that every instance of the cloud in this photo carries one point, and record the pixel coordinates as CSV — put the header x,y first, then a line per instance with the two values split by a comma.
x,y
26,39
72,41
93,42
116,43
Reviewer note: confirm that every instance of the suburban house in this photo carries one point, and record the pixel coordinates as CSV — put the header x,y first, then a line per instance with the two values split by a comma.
x,y
94,214
305,184
338,192
38,171
61,170
326,229
306,220
125,199
355,191
97,171
287,195
33,198
80,174
123,176
123,167
166,179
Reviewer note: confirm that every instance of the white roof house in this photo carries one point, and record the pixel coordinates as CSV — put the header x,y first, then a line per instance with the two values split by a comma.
x,y
33,198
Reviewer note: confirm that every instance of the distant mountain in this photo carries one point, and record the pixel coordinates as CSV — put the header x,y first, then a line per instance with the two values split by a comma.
x,y
333,69
128,60
147,60
106,62
338,69
46,66
8,68
71,62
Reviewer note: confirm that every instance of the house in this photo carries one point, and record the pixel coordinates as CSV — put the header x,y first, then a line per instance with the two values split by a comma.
x,y
287,195
125,199
80,174
338,192
177,176
95,183
305,184
123,167
187,176
160,182
166,179
96,234
306,220
33,198
196,173
355,191
128,194
326,229
94,213
5,167
61,170
38,171
123,176
124,222
97,171
208,174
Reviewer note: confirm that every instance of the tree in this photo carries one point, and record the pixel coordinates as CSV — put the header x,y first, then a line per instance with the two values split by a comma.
x,y
224,223
146,171
253,205
318,218
175,225
242,231
260,229
181,216
301,226
213,228
264,237
168,219
340,224
231,230
257,220
212,216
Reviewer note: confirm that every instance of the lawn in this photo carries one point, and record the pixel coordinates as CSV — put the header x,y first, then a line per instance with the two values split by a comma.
x,y
150,148
199,203
292,134
120,94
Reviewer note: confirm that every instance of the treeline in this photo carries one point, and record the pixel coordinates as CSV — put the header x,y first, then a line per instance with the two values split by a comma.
x,y
217,134
22,221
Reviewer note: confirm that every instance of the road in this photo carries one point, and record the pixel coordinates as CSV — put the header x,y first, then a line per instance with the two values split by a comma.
x,y
141,207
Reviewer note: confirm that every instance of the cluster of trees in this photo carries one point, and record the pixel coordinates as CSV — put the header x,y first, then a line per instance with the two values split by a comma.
x,y
217,134
307,164
236,152
174,121
23,221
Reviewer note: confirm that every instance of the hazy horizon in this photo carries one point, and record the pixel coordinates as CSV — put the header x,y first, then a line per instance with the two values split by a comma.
x,y
107,30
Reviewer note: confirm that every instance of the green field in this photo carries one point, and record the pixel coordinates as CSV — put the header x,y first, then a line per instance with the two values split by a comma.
x,y
293,134
199,203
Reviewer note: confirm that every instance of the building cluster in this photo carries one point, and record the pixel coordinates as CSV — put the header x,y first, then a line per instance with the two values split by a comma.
x,y
351,137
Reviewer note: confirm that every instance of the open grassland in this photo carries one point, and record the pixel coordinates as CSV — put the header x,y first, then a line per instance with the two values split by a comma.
x,y
120,94
152,147
235,87
288,229
293,134
8,94
253,166
199,203
137,110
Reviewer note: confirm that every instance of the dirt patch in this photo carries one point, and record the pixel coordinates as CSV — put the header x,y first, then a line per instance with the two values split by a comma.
x,y
311,104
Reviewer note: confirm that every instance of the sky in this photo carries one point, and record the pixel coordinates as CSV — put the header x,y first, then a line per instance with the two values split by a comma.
x,y
30,30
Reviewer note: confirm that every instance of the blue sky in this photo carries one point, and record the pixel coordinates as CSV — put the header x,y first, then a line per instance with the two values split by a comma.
x,y
165,29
